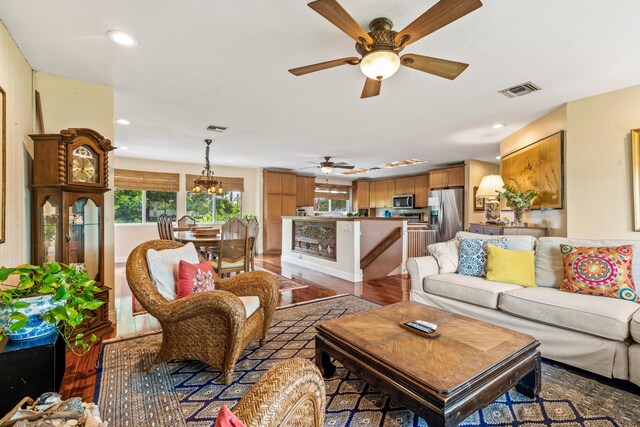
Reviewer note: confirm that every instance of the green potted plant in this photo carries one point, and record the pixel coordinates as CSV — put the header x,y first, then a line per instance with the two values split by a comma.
x,y
46,298
518,200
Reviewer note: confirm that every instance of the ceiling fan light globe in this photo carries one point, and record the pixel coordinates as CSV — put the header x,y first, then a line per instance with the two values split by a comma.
x,y
326,169
380,64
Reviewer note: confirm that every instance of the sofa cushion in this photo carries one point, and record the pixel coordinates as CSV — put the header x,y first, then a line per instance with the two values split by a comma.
x,y
549,271
599,270
251,304
473,290
603,317
447,254
473,255
514,243
635,326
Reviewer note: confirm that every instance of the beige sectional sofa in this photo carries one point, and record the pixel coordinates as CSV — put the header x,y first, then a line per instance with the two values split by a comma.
x,y
598,334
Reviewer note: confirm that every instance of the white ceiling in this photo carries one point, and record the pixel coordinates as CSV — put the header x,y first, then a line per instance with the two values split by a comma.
x,y
225,62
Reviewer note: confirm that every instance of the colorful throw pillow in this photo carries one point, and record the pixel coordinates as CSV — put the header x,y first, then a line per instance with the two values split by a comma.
x,y
602,271
194,278
473,256
516,267
227,419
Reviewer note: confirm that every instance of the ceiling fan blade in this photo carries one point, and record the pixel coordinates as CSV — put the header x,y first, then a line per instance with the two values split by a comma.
x,y
343,166
341,163
441,14
371,88
334,13
323,66
439,67
310,167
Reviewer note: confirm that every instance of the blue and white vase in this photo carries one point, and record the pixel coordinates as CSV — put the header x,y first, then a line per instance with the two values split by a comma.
x,y
37,326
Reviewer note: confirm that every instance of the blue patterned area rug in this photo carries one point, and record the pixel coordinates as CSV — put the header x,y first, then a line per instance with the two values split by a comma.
x,y
190,394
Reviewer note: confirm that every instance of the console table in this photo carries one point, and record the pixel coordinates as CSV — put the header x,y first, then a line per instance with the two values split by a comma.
x,y
506,230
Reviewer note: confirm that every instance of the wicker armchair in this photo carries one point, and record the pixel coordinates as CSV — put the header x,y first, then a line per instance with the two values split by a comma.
x,y
292,393
210,326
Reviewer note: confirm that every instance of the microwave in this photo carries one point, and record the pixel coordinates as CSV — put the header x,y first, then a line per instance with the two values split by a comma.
x,y
403,202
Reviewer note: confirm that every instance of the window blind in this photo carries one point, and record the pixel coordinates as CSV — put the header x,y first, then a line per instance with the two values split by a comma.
x,y
228,183
332,191
126,179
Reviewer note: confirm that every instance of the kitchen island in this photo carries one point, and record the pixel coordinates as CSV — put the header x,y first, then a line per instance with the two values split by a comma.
x,y
351,248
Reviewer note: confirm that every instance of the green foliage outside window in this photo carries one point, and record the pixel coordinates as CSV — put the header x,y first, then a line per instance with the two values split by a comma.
x,y
161,203
228,205
328,205
200,206
128,206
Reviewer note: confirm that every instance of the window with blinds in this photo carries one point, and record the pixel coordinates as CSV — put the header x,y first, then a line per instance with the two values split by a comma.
x,y
142,196
126,179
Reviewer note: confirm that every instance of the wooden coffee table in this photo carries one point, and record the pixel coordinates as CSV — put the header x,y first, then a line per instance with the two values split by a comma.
x,y
443,379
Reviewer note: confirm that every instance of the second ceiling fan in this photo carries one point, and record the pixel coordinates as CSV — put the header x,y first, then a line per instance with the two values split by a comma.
x,y
379,49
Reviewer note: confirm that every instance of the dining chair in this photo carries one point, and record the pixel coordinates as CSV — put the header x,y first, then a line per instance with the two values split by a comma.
x,y
165,228
233,252
185,223
254,227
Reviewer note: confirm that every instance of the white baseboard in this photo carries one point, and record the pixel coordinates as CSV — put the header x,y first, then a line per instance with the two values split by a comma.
x,y
120,259
355,277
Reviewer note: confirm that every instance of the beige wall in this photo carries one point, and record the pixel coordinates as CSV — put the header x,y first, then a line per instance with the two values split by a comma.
x,y
15,80
474,172
555,121
598,166
68,103
128,236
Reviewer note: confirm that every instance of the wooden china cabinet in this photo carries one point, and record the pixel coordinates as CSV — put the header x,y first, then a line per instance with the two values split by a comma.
x,y
70,177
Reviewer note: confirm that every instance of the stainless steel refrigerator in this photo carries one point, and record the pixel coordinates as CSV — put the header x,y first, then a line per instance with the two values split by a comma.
x,y
446,212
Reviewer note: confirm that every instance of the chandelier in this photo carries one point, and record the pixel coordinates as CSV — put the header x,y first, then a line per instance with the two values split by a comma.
x,y
207,181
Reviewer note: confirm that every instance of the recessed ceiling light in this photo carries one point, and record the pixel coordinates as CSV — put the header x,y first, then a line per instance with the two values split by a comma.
x,y
122,38
498,126
123,122
123,148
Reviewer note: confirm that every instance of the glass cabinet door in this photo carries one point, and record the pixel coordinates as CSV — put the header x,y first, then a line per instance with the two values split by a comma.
x,y
49,214
84,236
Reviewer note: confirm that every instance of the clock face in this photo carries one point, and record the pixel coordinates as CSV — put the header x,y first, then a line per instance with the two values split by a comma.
x,y
83,165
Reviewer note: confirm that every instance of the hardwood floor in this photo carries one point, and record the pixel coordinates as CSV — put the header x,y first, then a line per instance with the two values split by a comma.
x,y
80,375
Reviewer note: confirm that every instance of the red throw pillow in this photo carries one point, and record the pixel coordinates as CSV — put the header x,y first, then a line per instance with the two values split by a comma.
x,y
194,278
227,419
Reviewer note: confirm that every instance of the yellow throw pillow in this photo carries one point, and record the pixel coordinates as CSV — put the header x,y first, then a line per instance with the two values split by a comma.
x,y
507,266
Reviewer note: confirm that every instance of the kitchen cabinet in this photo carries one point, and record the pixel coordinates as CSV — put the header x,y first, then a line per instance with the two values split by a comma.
x,y
279,199
447,177
305,190
421,191
381,193
404,185
388,193
362,194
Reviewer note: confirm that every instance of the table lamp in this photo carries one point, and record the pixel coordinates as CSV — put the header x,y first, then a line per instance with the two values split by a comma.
x,y
490,189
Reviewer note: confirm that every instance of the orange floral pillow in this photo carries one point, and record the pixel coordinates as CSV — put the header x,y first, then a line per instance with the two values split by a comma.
x,y
601,271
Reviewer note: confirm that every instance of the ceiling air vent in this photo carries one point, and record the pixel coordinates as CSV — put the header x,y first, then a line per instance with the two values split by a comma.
x,y
219,129
519,90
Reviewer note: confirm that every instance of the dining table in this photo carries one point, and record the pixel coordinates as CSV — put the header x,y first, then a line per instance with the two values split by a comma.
x,y
199,240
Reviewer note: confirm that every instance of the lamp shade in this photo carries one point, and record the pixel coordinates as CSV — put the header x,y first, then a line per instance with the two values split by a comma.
x,y
380,64
490,186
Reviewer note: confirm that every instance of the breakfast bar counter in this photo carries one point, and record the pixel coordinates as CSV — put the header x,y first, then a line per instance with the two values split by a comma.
x,y
350,248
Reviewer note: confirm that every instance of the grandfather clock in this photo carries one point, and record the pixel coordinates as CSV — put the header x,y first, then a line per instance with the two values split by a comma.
x,y
70,177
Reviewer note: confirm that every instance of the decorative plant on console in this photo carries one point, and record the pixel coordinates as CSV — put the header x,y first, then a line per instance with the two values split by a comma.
x,y
46,298
518,200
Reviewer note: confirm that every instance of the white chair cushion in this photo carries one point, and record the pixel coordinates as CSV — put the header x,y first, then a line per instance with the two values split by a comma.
x,y
163,267
470,289
635,326
514,243
447,254
549,270
251,304
601,316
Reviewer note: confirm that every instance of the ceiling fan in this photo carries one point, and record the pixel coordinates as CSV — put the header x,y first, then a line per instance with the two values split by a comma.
x,y
328,166
379,49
